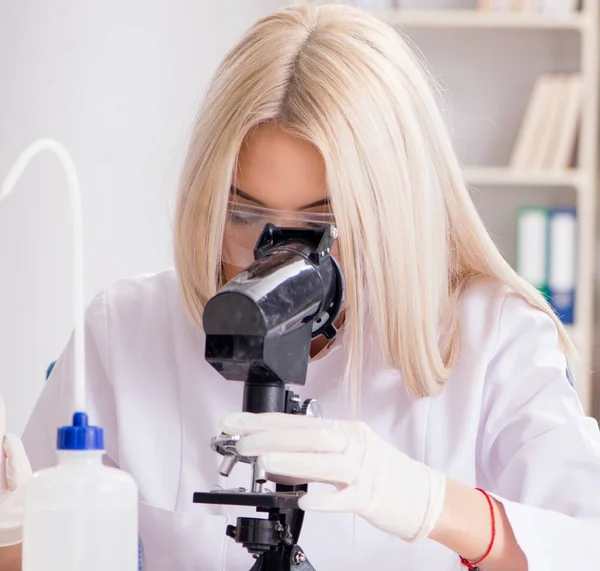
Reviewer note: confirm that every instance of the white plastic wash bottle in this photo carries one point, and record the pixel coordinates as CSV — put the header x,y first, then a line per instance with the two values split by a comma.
x,y
80,515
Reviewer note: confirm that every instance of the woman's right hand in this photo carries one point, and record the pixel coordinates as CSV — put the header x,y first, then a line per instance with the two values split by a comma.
x,y
15,471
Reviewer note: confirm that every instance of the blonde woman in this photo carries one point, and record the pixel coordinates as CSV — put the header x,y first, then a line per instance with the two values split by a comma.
x,y
452,437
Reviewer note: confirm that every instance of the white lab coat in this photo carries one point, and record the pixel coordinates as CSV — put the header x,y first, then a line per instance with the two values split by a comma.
x,y
508,420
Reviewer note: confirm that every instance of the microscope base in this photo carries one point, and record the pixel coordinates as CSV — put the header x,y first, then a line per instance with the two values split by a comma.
x,y
293,560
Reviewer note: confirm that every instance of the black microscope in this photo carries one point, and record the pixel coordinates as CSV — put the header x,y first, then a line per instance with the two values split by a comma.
x,y
259,329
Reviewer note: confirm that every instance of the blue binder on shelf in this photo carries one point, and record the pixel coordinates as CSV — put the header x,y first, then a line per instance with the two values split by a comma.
x,y
562,262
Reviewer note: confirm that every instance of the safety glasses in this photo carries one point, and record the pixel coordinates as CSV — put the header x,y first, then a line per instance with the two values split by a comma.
x,y
245,223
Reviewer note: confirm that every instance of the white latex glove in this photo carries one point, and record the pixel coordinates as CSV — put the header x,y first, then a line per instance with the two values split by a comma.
x,y
374,480
15,471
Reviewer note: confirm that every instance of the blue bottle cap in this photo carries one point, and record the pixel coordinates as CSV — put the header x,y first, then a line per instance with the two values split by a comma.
x,y
80,436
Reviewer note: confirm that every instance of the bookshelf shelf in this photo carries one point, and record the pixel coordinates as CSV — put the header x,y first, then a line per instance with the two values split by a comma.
x,y
474,19
505,176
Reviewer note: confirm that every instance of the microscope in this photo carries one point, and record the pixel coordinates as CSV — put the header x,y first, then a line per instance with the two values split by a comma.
x,y
259,329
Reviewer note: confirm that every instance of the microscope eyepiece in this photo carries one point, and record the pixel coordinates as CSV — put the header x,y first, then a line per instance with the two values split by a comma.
x,y
261,323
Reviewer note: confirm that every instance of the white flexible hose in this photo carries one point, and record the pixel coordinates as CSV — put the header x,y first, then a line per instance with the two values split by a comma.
x,y
6,188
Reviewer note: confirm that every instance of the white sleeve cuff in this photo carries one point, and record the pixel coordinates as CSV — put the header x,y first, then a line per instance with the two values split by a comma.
x,y
12,535
553,541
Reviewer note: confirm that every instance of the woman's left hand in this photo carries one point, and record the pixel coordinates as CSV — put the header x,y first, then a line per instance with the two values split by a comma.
x,y
373,479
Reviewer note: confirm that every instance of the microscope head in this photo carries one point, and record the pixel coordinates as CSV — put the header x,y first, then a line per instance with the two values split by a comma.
x,y
260,325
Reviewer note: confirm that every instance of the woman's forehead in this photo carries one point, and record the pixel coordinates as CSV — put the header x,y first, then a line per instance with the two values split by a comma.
x,y
281,171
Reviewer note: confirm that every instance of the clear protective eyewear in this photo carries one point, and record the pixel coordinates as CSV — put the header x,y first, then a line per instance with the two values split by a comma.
x,y
246,222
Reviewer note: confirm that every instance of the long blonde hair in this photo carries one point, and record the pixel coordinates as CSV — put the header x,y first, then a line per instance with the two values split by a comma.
x,y
410,237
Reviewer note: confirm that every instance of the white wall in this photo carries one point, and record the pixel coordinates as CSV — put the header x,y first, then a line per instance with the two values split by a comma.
x,y
118,83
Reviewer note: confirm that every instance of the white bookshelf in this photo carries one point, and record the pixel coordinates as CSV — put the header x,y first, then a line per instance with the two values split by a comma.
x,y
506,177
474,19
453,16
583,179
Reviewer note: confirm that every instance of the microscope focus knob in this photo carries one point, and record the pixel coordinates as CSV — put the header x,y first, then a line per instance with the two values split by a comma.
x,y
311,407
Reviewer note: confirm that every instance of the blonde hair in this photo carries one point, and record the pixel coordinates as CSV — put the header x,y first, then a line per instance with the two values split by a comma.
x,y
410,237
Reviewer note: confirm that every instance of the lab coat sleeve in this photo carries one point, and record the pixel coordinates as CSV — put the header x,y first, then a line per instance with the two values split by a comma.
x,y
54,407
538,453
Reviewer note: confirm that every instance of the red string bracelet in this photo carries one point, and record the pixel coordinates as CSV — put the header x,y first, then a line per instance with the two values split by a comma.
x,y
472,565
